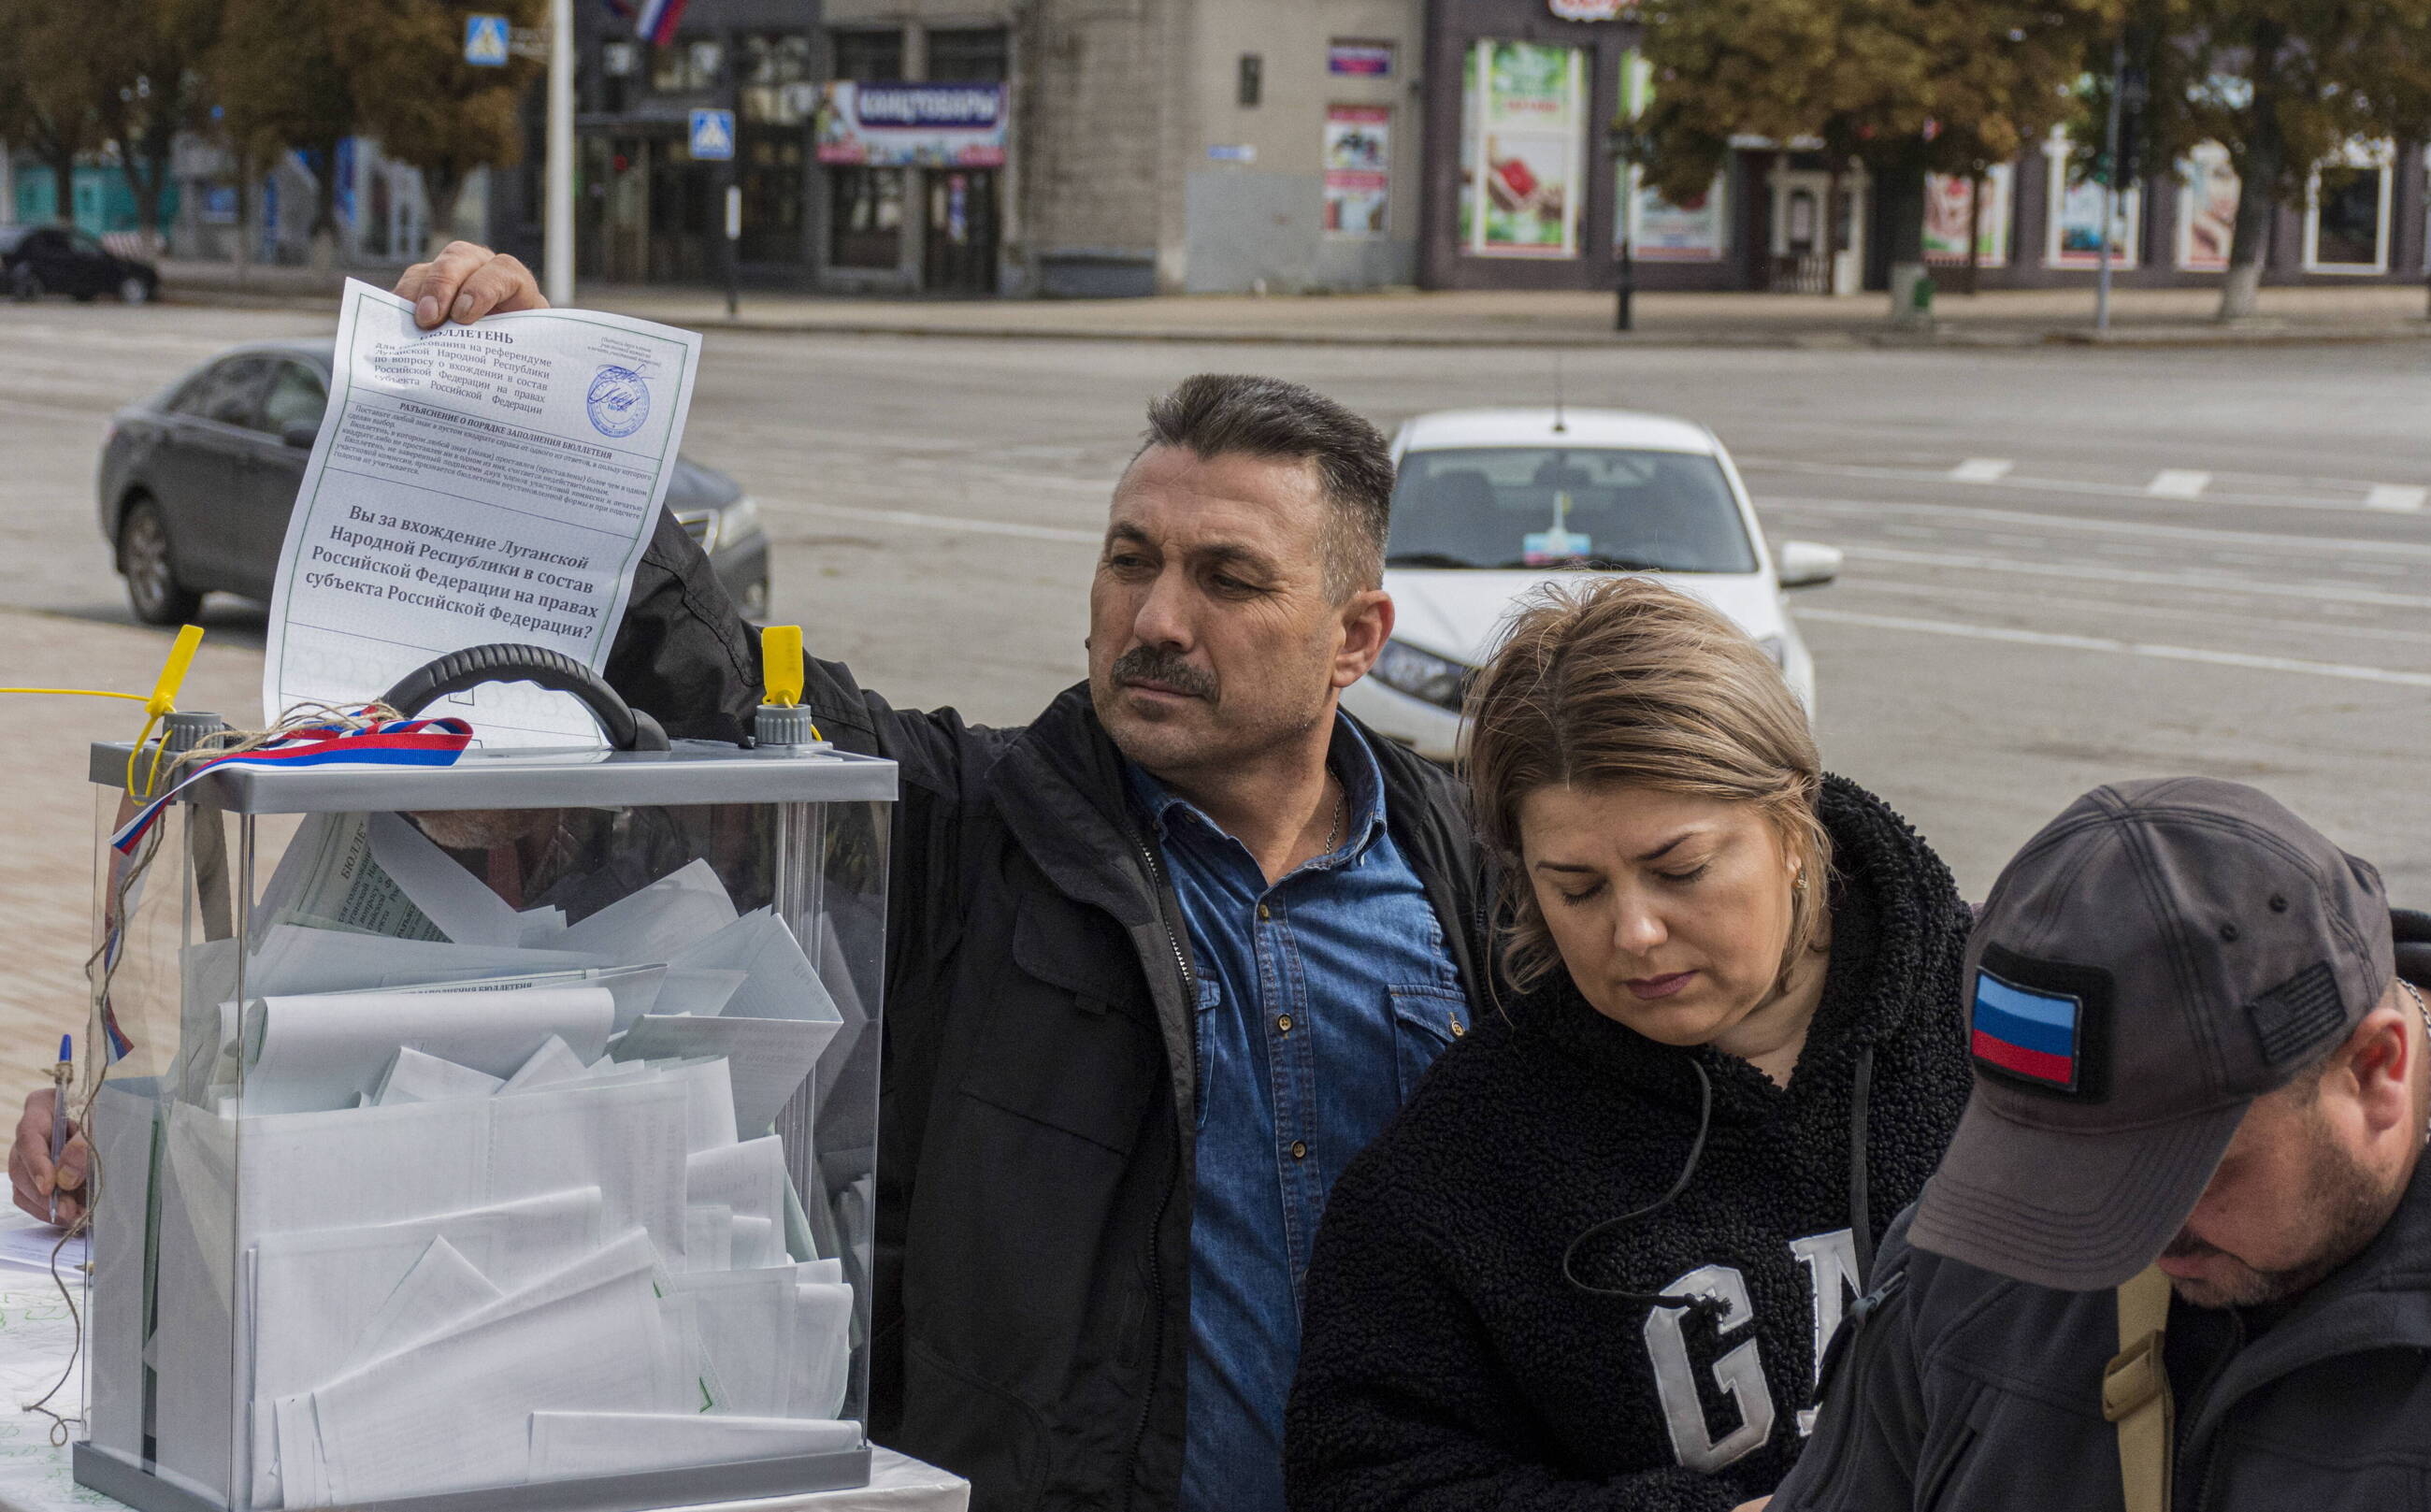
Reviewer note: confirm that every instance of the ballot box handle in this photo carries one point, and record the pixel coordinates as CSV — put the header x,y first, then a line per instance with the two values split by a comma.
x,y
626,727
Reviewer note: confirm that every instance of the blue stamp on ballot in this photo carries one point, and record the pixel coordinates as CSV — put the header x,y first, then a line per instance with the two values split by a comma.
x,y
618,402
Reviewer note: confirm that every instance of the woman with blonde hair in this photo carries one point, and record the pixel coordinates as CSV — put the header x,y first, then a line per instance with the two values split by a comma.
x,y
1594,1263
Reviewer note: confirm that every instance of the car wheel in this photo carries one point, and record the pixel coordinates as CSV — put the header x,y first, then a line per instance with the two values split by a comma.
x,y
25,285
144,557
133,290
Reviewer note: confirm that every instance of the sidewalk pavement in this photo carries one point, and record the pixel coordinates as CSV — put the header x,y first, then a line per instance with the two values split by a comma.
x,y
2010,317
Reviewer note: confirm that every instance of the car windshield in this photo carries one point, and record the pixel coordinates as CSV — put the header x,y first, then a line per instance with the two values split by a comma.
x,y
1591,507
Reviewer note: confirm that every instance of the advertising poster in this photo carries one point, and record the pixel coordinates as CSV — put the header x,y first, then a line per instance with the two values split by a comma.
x,y
1948,201
1359,59
2076,238
1523,112
1693,232
2207,210
909,125
1358,157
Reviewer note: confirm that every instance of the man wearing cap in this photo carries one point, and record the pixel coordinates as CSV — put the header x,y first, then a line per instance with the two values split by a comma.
x,y
2178,1255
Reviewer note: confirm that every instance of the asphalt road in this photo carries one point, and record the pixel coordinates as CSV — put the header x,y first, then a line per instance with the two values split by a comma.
x,y
2065,565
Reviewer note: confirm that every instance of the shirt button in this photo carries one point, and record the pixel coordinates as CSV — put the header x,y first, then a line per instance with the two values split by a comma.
x,y
1282,1022
1299,1150
1262,913
1456,1030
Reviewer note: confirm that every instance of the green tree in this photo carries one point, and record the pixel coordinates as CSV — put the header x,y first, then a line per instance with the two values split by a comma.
x,y
48,89
405,60
146,55
1904,87
276,76
2283,85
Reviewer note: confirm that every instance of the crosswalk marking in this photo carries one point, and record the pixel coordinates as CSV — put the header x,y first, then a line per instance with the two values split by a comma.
x,y
2403,499
2178,482
2119,647
1982,470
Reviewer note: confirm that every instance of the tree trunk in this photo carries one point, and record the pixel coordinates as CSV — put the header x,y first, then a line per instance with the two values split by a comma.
x,y
2258,170
244,197
1975,232
61,157
1901,186
325,208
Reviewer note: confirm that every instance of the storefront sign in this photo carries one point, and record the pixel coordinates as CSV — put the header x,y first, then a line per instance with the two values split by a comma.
x,y
1358,157
2207,210
896,125
1592,10
1949,204
1363,60
1697,231
1523,112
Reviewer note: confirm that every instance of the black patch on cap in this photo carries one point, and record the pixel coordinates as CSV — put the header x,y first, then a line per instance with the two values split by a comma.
x,y
2063,1047
2298,1015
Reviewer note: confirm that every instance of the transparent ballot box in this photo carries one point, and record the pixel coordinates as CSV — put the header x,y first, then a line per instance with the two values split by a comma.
x,y
498,1134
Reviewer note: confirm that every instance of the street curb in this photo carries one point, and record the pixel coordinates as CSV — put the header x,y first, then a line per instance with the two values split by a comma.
x,y
1948,337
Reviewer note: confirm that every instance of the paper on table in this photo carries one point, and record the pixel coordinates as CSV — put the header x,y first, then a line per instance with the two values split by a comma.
x,y
460,903
656,922
414,1077
747,1321
307,1052
781,984
552,1065
451,1413
475,483
566,1444
748,1178
442,1289
767,1058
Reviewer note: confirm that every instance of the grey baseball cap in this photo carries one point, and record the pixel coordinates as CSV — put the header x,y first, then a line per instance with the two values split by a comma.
x,y
2160,955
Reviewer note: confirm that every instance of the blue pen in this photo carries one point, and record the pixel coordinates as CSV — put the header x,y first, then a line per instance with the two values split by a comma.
x,y
62,1075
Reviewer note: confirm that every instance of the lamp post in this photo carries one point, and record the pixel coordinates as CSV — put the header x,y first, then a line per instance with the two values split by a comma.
x,y
1627,144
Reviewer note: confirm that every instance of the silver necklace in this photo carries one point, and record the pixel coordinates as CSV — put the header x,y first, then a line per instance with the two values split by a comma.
x,y
1333,831
2425,1014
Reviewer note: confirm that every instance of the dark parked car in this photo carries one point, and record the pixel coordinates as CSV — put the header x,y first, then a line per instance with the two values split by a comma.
x,y
197,481
40,259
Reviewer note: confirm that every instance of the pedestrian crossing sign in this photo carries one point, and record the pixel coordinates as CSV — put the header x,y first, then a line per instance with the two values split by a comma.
x,y
712,135
485,40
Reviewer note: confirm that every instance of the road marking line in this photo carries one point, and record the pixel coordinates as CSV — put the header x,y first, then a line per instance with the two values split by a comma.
x,y
2049,485
1960,597
2178,482
943,522
1982,469
2402,499
2093,572
1871,510
2118,647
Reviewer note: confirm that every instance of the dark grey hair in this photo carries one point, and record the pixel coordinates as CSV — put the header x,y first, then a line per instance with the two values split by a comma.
x,y
1231,414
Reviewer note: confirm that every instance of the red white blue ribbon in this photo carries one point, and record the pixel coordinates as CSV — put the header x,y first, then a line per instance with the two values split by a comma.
x,y
388,743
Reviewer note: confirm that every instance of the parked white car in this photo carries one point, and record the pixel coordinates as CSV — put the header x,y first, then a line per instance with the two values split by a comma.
x,y
1492,502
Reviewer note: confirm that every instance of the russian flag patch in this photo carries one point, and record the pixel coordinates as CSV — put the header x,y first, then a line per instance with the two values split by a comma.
x,y
2029,1033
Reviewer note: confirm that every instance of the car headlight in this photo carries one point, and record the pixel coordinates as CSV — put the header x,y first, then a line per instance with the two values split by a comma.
x,y
1423,675
1776,646
738,520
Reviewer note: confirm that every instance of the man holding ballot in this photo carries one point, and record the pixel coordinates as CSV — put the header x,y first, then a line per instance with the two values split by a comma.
x,y
1160,962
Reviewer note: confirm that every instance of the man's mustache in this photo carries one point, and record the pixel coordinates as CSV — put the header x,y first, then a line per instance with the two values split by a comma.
x,y
1155,664
2186,1247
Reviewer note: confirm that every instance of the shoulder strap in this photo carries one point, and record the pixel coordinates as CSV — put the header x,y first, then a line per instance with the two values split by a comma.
x,y
2136,1393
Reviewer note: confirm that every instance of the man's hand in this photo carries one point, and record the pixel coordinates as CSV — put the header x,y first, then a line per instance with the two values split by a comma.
x,y
1756,1505
466,282
32,1181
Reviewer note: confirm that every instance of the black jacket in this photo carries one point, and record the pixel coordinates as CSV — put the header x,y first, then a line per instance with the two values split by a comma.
x,y
1444,1362
1964,1390
1034,1166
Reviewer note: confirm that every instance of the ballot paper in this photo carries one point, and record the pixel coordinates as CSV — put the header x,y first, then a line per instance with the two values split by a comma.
x,y
780,981
767,1058
658,922
292,959
414,1077
458,904
329,877
472,484
569,1444
552,1065
306,1053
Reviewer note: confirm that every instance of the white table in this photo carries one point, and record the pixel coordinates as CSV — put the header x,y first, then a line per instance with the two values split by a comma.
x,y
37,1337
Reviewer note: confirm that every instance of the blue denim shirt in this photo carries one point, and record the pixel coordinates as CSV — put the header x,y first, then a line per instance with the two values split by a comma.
x,y
1322,999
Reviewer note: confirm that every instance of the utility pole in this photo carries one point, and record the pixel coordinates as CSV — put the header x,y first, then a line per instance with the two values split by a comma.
x,y
2110,180
556,234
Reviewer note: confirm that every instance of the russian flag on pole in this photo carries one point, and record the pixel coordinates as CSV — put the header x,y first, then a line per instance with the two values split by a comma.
x,y
2027,1034
655,24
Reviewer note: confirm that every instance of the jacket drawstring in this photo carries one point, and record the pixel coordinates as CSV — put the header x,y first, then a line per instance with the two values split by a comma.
x,y
1861,1225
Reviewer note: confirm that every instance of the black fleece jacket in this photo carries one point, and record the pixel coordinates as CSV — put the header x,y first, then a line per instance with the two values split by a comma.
x,y
1447,1364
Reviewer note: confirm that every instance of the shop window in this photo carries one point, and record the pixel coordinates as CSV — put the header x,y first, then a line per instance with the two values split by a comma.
x,y
864,217
1253,78
2346,226
976,55
777,74
687,68
869,55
